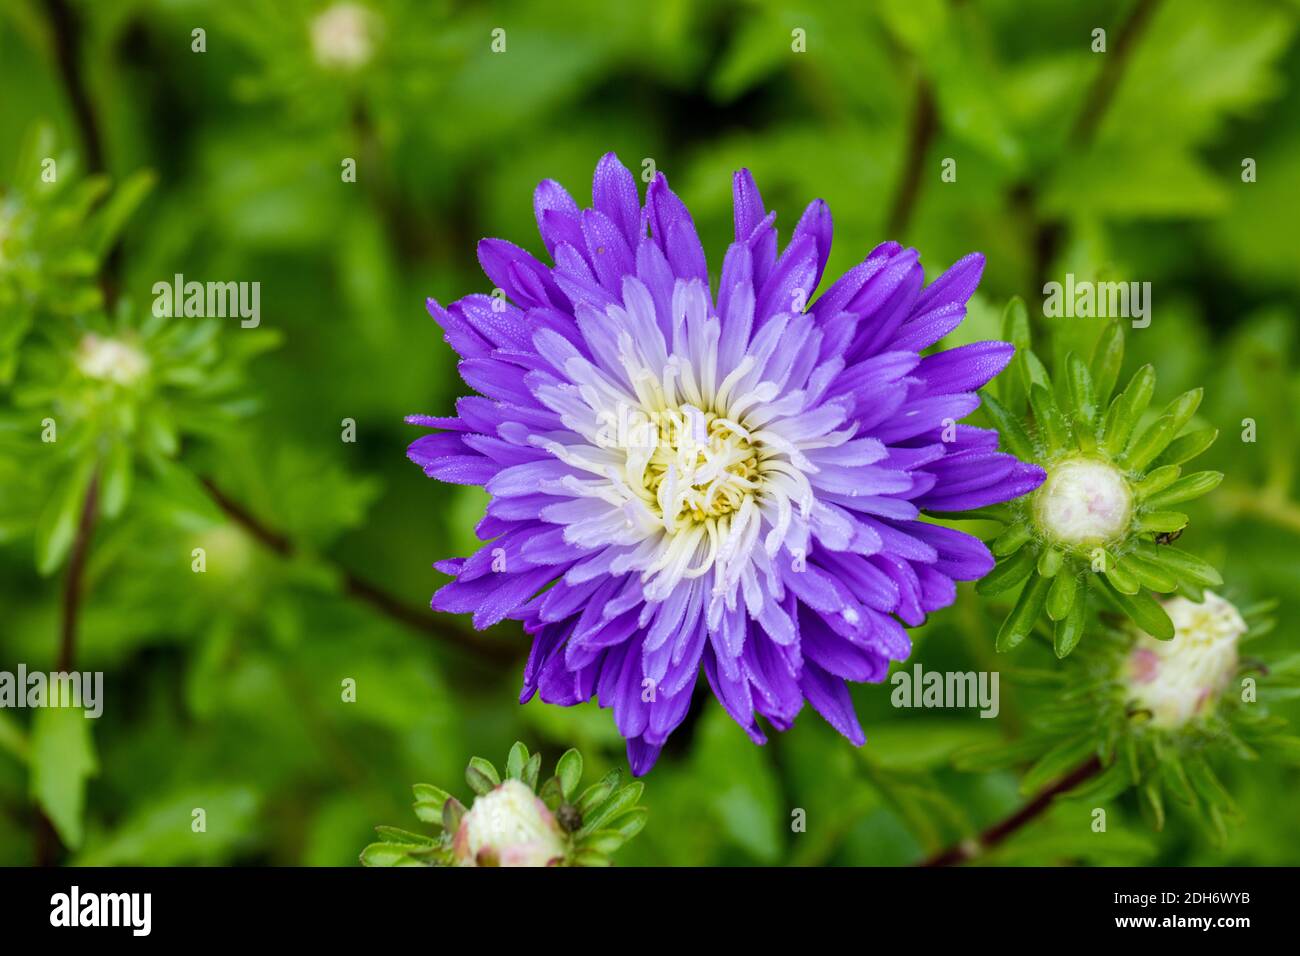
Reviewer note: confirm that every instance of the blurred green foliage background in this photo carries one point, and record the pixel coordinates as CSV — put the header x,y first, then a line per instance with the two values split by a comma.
x,y
223,688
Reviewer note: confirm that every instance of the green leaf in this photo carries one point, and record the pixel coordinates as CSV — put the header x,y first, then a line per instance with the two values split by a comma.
x,y
62,760
398,835
1025,614
1184,563
452,812
1011,540
118,472
429,801
1207,786
1150,443
1182,408
598,791
1107,358
1127,409
1186,447
480,779
119,207
1079,380
1185,489
1051,423
1150,573
531,771
1162,522
1061,597
622,800
516,761
57,526
1155,481
1049,562
1011,432
569,772
386,854
1008,573
1069,628
1145,611
1013,385
1120,576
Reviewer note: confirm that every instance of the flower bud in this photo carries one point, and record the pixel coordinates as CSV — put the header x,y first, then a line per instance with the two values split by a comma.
x,y
1083,501
509,826
1180,679
342,37
110,360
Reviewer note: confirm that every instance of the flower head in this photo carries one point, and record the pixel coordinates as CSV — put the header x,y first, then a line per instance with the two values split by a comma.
x,y
342,37
682,481
1179,679
111,360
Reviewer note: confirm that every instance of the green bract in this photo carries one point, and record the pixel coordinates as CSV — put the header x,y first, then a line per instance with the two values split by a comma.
x,y
1099,527
561,826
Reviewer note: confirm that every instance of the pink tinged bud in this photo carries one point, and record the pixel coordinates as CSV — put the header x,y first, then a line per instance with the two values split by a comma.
x,y
509,826
1178,680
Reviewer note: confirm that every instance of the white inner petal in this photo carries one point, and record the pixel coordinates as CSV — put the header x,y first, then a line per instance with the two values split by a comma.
x,y
702,467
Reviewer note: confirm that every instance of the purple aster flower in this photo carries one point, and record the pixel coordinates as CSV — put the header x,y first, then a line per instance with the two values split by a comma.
x,y
680,480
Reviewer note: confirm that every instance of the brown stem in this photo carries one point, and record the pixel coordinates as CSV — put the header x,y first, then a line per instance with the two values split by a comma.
x,y
1048,236
364,591
76,572
1117,60
66,29
924,126
969,849
47,840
